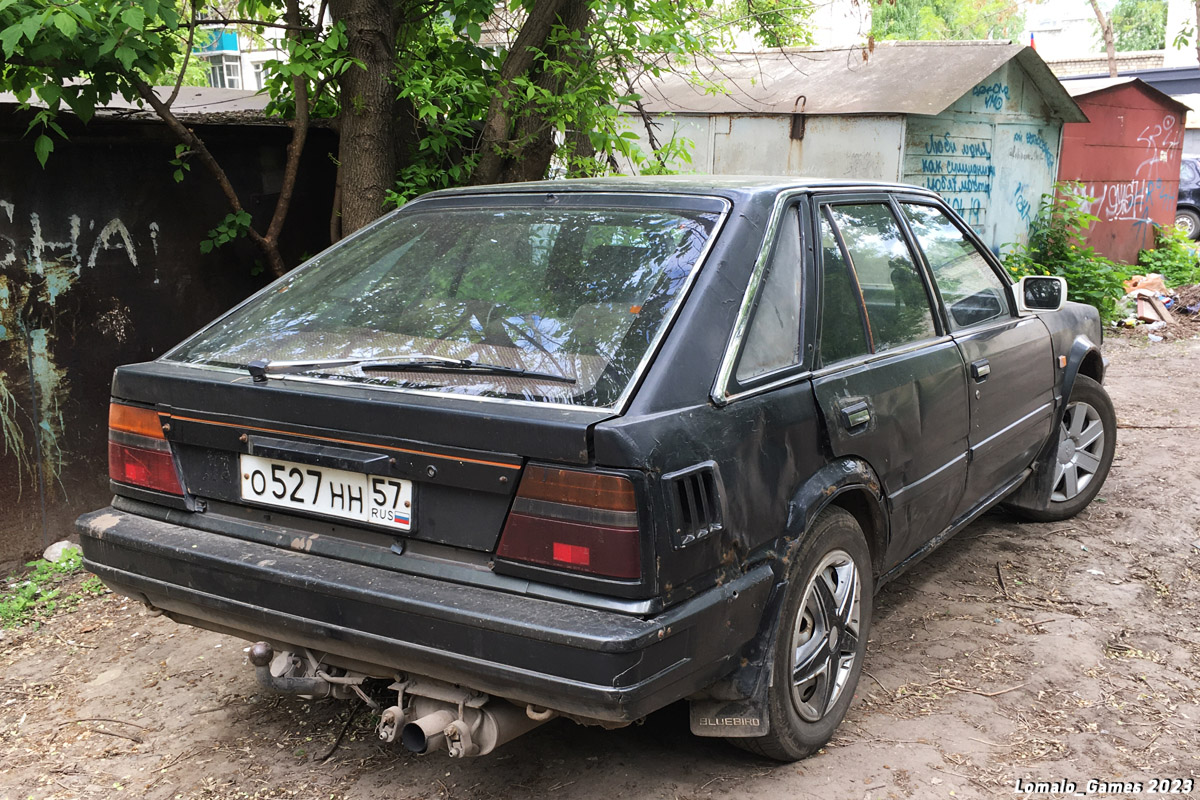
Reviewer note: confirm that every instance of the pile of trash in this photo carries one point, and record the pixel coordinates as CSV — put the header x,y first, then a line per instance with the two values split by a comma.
x,y
1149,303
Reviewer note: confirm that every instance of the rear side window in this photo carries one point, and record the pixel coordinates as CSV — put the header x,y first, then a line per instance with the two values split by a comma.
x,y
971,290
898,309
773,341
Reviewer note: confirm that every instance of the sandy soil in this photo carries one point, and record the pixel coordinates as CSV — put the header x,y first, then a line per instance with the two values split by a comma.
x,y
1041,652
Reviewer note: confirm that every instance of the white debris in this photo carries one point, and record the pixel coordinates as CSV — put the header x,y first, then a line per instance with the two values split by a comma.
x,y
56,551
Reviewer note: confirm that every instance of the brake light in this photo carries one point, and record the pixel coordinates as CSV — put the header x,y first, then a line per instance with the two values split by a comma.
x,y
574,520
138,452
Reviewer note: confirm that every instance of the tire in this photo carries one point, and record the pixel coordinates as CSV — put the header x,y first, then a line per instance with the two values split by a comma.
x,y
822,634
1188,221
1087,439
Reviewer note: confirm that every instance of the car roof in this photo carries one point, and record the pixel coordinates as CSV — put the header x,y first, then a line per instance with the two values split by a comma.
x,y
720,185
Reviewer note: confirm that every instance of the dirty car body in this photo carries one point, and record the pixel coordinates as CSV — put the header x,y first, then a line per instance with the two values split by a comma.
x,y
577,447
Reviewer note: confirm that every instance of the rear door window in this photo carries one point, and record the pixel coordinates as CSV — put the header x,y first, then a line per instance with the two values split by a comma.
x,y
893,291
842,332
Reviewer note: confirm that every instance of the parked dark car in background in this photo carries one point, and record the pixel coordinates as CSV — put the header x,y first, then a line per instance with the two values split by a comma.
x,y
1187,208
587,448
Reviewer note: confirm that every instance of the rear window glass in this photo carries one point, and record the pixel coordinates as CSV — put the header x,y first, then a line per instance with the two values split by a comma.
x,y
579,292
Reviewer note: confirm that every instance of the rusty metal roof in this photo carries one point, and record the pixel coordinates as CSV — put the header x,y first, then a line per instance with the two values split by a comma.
x,y
893,78
1082,87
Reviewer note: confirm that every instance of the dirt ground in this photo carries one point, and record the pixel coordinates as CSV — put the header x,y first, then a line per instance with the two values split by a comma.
x,y
1017,652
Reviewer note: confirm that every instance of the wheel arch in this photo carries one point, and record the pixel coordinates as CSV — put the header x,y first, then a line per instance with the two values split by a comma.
x,y
1083,358
849,483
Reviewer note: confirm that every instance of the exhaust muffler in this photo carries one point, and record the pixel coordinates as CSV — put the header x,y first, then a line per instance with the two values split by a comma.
x,y
438,726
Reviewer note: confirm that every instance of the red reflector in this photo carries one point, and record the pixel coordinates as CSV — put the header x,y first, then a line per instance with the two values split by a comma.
x,y
572,554
595,549
139,466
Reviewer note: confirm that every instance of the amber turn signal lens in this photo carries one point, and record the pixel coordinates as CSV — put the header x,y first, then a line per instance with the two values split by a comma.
x,y
578,488
131,419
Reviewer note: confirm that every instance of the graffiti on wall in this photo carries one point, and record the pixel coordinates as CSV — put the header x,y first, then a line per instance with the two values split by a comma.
x,y
40,262
994,95
960,169
1134,200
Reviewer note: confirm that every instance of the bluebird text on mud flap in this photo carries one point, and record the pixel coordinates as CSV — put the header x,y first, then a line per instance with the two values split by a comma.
x,y
1094,786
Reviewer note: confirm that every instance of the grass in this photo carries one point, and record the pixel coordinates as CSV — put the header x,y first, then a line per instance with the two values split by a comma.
x,y
38,593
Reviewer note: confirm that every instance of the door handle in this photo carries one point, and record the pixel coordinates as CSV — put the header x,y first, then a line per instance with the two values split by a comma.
x,y
980,370
855,414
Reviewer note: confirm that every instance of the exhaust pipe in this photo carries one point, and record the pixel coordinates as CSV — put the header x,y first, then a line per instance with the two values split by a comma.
x,y
478,732
428,731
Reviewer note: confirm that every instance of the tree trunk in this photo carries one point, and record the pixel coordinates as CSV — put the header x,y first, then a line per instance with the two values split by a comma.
x,y
520,149
366,123
1197,31
1106,30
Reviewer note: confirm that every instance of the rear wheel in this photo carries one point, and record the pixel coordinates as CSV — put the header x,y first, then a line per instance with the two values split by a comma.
x,y
1087,440
1188,221
822,640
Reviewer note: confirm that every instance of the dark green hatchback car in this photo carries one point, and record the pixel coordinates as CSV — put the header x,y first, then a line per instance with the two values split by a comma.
x,y
587,448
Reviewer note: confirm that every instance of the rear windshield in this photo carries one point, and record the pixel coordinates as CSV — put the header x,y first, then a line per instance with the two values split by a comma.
x,y
579,292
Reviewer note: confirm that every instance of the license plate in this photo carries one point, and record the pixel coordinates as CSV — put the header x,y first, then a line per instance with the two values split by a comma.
x,y
374,499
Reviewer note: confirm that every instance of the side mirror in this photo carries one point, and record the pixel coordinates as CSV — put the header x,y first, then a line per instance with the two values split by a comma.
x,y
1040,293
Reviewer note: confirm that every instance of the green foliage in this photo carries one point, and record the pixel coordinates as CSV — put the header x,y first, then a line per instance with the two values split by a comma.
x,y
450,79
774,23
181,166
1056,247
81,55
232,227
1173,256
320,59
946,19
38,593
1137,25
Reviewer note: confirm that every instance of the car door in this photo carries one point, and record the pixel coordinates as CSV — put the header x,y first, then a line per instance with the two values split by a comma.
x,y
1009,357
891,385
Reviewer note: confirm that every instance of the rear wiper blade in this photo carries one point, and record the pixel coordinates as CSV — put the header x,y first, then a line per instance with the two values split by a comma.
x,y
462,365
413,362
262,369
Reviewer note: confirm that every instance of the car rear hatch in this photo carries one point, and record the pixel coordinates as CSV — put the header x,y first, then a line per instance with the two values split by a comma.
x,y
433,379
371,473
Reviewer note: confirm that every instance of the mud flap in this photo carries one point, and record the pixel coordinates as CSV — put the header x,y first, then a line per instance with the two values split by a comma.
x,y
736,705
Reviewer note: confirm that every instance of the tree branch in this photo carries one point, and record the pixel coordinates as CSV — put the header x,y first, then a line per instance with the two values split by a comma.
x,y
187,54
299,134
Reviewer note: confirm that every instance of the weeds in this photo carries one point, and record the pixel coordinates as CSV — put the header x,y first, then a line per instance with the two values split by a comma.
x,y
1173,256
1057,247
38,594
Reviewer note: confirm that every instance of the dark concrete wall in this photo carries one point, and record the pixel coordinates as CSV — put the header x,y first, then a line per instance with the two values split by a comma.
x,y
100,266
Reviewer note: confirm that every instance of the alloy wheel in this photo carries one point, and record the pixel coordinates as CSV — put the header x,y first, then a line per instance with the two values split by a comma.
x,y
825,636
1080,446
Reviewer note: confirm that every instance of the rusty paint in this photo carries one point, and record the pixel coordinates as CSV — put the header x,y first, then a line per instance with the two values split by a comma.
x,y
1128,160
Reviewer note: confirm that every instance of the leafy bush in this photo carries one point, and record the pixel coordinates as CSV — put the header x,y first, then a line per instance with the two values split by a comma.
x,y
1173,256
1057,247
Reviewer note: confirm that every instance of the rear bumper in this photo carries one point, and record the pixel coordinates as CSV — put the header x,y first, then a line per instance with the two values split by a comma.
x,y
577,660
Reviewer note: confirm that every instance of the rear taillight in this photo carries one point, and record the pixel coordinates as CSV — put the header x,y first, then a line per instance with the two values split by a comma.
x,y
138,453
574,520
